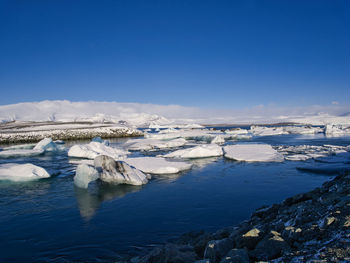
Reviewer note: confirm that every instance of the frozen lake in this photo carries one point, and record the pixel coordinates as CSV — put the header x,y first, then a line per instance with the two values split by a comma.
x,y
52,220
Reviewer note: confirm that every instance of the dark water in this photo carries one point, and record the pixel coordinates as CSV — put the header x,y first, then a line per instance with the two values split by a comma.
x,y
51,220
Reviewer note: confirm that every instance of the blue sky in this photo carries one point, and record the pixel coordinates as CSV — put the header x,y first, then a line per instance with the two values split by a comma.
x,y
218,54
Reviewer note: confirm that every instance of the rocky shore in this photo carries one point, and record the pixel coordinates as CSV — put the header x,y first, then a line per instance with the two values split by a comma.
x,y
309,227
16,132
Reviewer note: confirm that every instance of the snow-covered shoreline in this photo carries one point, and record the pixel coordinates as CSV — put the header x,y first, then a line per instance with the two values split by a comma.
x,y
16,132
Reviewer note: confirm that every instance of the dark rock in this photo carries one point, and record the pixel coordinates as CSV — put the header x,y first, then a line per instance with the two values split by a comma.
x,y
217,249
170,253
271,247
236,256
249,239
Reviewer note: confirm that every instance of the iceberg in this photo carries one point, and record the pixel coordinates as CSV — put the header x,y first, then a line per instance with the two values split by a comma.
x,y
85,174
336,130
237,131
119,172
46,145
218,140
94,149
200,151
152,144
158,165
22,172
267,131
252,153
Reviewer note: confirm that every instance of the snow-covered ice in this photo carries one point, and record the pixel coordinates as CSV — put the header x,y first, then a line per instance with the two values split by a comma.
x,y
158,165
252,153
152,144
85,174
94,149
22,172
336,130
20,153
267,131
200,151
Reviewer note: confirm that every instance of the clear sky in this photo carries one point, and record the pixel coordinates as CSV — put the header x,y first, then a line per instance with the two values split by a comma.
x,y
229,54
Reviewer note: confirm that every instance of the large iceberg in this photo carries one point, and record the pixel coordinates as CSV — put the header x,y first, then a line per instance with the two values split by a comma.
x,y
158,165
336,130
252,153
267,131
22,172
94,149
112,171
200,151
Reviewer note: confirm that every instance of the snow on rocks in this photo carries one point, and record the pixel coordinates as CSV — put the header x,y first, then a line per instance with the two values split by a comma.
x,y
94,149
158,165
152,144
252,153
22,172
200,151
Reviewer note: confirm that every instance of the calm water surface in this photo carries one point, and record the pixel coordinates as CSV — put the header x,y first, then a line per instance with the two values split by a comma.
x,y
51,220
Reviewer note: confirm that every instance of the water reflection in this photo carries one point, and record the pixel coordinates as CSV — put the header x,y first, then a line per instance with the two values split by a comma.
x,y
89,200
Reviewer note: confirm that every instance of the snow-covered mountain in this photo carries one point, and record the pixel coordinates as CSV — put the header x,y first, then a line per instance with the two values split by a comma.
x,y
144,115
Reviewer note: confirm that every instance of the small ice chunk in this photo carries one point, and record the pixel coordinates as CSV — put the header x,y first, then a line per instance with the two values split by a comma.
x,y
84,175
20,153
22,172
158,165
218,140
297,157
236,131
252,153
94,149
200,151
112,171
46,145
100,140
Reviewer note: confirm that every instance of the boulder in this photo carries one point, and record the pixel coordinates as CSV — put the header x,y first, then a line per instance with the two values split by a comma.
x,y
236,256
217,249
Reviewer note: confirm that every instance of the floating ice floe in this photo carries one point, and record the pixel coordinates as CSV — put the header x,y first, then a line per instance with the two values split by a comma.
x,y
305,152
47,145
85,174
237,131
158,165
336,130
27,146
267,131
200,151
302,129
94,149
30,150
20,153
252,153
110,171
152,144
119,172
100,140
219,139
22,172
